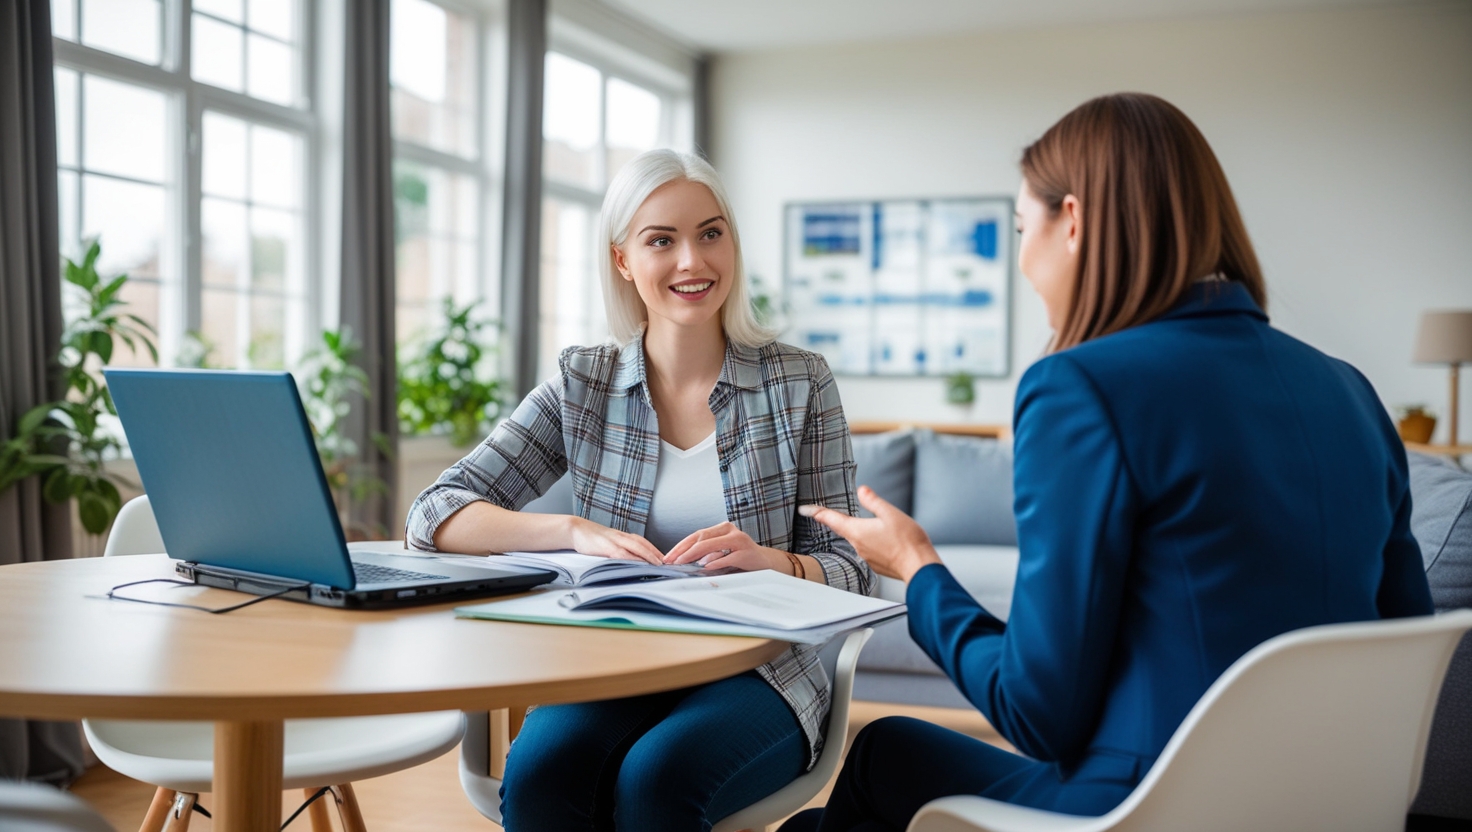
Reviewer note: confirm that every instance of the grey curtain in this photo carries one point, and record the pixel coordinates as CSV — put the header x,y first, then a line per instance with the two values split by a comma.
x,y
368,258
30,334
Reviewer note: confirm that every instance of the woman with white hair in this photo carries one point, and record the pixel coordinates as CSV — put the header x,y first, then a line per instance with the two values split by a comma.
x,y
693,438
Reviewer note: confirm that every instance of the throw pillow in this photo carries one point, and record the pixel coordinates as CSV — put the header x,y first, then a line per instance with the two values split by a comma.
x,y
886,463
963,489
1441,520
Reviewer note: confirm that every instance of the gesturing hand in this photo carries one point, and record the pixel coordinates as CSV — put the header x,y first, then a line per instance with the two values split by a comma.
x,y
725,545
590,538
892,542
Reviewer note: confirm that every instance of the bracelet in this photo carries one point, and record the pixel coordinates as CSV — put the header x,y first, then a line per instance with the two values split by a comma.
x,y
798,570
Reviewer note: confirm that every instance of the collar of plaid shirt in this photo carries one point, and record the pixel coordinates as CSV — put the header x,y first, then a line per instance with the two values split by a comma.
x,y
741,370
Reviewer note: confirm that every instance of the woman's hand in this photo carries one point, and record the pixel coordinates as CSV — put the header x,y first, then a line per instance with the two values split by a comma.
x,y
725,545
892,542
591,538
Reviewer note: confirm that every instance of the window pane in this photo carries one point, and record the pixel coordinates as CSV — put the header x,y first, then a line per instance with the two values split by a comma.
x,y
266,349
274,251
217,51
437,218
633,122
231,10
274,17
275,177
124,129
571,300
64,19
220,311
222,224
571,121
125,27
432,68
129,218
272,67
224,161
66,191
66,117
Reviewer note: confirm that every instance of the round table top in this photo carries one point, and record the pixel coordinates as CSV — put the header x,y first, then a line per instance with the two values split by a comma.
x,y
66,652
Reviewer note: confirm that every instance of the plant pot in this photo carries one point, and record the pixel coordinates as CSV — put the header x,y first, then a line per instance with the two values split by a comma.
x,y
1416,427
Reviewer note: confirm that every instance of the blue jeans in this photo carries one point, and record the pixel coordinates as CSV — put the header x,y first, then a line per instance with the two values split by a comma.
x,y
680,760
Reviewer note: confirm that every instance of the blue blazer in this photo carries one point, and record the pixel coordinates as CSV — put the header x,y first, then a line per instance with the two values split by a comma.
x,y
1185,489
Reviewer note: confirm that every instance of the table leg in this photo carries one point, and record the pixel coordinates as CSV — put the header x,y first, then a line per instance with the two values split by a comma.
x,y
248,776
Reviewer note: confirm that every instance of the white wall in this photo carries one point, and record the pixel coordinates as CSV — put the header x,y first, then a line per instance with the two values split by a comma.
x,y
1347,136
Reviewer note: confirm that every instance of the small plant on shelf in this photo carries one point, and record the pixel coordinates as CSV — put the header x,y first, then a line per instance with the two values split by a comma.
x,y
67,443
445,385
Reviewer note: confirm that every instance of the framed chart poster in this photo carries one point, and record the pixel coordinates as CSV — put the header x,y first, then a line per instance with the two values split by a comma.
x,y
902,287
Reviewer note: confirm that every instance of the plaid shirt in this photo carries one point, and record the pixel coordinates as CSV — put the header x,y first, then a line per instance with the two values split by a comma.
x,y
782,441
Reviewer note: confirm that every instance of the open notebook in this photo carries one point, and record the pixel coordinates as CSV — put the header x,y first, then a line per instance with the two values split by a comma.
x,y
763,603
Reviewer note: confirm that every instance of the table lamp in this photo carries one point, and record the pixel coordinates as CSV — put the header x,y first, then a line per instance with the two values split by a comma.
x,y
1445,337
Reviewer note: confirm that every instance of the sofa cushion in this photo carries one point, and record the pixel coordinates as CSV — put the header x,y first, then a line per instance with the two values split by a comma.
x,y
886,463
963,490
987,572
1441,520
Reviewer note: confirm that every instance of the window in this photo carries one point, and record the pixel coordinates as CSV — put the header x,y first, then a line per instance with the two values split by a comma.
x,y
190,159
443,174
594,120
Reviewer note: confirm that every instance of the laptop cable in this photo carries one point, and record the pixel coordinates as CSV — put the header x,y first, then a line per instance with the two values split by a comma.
x,y
113,596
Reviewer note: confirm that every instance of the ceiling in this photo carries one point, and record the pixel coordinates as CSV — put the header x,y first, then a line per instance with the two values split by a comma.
x,y
750,25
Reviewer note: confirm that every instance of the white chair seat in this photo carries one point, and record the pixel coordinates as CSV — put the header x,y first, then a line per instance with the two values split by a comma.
x,y
319,752
33,807
1316,729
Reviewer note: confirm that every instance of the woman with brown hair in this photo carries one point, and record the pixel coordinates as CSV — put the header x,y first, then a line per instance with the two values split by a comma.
x,y
1189,482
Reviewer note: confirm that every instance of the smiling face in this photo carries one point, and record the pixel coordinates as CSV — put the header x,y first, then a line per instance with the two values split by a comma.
x,y
1048,251
679,255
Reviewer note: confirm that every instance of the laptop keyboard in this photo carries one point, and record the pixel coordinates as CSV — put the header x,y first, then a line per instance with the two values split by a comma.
x,y
372,573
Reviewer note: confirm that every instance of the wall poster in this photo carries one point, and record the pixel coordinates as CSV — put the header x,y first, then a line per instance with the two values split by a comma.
x,y
902,287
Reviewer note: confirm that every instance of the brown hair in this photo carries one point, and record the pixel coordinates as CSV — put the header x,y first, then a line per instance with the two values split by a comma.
x,y
1157,211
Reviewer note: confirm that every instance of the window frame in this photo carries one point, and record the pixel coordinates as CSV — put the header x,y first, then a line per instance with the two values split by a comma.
x,y
180,306
486,167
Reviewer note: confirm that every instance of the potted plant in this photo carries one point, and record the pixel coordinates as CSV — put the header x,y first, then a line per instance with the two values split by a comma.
x,y
67,443
445,384
327,379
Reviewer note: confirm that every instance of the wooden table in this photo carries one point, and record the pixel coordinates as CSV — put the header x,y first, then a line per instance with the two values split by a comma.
x,y
65,655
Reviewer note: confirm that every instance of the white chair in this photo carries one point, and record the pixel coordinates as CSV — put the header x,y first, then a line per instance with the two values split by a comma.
x,y
178,757
35,807
1319,729
840,658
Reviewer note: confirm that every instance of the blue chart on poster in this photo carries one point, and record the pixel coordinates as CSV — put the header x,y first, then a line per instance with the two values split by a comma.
x,y
902,287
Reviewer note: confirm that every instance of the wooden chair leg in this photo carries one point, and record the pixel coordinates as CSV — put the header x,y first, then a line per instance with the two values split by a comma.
x,y
321,821
158,811
347,808
182,812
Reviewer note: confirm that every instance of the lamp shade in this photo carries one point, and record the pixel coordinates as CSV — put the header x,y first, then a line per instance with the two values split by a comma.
x,y
1444,337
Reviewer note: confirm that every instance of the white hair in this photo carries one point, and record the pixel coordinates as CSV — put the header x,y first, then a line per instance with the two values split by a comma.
x,y
642,176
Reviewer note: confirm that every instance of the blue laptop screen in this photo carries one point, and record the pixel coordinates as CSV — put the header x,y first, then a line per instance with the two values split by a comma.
x,y
229,465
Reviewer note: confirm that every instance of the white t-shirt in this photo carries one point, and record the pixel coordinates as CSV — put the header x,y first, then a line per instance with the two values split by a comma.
x,y
688,493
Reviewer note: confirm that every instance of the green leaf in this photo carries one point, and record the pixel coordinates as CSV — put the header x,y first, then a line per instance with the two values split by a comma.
x,y
106,293
34,418
56,488
101,343
93,511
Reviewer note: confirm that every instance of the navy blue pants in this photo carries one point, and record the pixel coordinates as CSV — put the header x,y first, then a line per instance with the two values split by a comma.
x,y
667,761
897,765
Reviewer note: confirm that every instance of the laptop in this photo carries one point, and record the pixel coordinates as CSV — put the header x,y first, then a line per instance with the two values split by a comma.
x,y
232,473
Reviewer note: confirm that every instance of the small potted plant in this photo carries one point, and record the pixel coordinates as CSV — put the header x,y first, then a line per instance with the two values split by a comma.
x,y
961,388
1415,423
446,386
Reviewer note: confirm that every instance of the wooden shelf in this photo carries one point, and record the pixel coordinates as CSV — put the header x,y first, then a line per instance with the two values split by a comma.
x,y
1439,450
